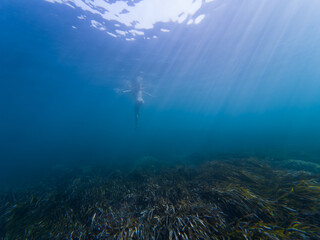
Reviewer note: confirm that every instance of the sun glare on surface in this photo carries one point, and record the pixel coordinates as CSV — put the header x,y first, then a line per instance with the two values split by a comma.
x,y
134,19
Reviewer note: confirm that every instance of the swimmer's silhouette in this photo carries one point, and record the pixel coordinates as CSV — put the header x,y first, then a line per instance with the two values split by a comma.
x,y
137,92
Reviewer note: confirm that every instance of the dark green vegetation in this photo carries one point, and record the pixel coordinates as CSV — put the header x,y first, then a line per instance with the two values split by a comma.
x,y
220,199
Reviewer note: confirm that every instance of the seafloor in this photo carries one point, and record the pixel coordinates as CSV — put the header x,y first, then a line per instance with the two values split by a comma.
x,y
232,198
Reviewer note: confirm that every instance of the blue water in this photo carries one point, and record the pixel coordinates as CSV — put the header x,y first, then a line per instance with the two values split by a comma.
x,y
245,79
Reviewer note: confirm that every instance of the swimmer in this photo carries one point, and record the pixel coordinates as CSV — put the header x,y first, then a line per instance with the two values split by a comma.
x,y
137,92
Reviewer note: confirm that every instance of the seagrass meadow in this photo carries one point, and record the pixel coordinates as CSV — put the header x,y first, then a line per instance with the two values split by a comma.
x,y
231,198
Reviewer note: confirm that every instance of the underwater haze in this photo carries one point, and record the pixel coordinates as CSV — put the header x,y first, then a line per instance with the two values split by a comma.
x,y
218,76
160,119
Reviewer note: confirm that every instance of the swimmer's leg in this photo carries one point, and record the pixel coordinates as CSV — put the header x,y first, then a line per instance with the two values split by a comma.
x,y
136,115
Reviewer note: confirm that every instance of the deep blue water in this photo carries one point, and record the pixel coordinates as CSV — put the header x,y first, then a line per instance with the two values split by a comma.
x,y
245,79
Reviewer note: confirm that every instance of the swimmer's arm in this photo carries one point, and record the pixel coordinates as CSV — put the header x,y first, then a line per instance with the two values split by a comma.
x,y
148,94
120,91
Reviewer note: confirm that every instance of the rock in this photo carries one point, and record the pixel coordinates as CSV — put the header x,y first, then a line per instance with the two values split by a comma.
x,y
300,165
